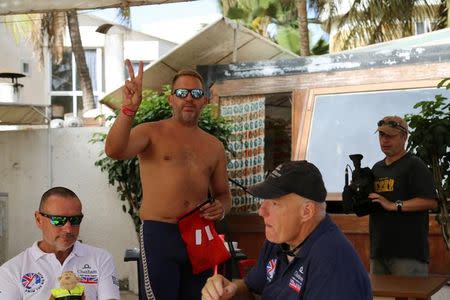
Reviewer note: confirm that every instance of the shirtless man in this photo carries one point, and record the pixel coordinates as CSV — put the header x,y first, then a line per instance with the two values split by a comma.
x,y
179,163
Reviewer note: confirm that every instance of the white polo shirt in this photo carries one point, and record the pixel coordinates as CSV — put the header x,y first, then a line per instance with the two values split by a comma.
x,y
33,273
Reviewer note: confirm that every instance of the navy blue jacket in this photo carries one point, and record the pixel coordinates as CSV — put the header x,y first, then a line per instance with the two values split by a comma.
x,y
326,267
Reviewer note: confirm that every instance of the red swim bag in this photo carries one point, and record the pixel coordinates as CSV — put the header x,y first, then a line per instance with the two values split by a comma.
x,y
204,246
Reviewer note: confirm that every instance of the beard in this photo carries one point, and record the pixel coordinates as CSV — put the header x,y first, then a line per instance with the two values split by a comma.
x,y
188,118
65,241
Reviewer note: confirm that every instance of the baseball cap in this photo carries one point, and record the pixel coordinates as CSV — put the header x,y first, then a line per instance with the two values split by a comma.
x,y
299,177
392,125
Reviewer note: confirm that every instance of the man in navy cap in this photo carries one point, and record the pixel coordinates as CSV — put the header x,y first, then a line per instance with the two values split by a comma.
x,y
305,256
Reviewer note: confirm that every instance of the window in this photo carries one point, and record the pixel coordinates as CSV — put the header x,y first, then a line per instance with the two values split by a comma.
x,y
345,123
423,26
277,134
26,68
65,83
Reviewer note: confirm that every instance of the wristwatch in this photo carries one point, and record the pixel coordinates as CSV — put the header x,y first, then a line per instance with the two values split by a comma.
x,y
399,204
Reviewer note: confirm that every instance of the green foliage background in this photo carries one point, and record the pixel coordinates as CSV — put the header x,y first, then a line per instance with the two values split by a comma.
x,y
258,14
430,140
124,174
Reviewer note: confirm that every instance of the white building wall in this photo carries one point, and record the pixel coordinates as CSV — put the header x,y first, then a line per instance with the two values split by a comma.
x,y
135,46
12,55
114,61
34,160
142,50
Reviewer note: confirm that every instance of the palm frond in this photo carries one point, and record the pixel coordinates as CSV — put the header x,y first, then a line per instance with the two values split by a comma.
x,y
124,14
19,26
373,21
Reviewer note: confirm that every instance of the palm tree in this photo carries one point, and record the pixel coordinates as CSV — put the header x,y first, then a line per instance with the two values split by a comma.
x,y
303,27
364,22
260,14
256,14
361,23
80,60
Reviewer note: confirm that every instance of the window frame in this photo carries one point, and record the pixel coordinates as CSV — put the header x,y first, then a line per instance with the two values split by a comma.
x,y
74,93
303,111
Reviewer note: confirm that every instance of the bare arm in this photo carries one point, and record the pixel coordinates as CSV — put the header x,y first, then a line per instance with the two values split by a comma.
x,y
409,205
220,190
123,142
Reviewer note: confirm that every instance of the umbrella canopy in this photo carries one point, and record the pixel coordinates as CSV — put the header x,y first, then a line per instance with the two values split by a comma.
x,y
222,42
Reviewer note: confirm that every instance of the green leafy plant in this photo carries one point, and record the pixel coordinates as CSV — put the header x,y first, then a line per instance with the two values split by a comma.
x,y
430,140
124,174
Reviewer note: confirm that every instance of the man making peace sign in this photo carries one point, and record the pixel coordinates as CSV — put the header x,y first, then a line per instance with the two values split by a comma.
x,y
179,163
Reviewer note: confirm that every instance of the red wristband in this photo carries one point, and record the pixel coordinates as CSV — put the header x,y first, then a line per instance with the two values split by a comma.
x,y
128,111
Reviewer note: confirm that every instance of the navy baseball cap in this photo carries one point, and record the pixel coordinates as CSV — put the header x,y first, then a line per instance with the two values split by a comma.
x,y
298,177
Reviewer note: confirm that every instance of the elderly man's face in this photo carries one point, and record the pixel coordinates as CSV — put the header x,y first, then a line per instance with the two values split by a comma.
x,y
54,238
282,218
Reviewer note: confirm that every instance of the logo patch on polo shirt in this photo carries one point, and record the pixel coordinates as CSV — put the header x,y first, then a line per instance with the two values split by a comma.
x,y
270,269
89,279
87,275
32,282
296,281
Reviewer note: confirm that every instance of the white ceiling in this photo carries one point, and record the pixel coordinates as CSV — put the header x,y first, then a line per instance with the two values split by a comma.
x,y
8,7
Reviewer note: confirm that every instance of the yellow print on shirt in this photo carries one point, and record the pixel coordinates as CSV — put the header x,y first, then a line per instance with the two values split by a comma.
x,y
384,185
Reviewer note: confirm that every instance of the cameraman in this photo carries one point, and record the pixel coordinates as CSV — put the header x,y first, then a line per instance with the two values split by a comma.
x,y
404,188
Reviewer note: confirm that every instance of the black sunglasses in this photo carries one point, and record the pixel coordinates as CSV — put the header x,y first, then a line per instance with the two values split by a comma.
x,y
392,124
60,221
183,93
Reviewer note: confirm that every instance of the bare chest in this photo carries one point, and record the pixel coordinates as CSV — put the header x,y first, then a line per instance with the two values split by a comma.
x,y
186,154
180,154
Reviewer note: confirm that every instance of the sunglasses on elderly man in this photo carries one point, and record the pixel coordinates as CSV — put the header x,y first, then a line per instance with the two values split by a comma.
x,y
60,221
392,124
183,93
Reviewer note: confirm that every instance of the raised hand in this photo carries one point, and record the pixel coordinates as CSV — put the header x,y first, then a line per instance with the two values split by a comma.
x,y
132,91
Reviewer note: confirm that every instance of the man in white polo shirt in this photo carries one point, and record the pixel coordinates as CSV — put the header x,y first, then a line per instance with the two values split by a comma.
x,y
35,271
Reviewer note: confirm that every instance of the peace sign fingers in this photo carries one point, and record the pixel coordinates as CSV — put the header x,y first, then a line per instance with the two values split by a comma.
x,y
130,68
140,71
132,92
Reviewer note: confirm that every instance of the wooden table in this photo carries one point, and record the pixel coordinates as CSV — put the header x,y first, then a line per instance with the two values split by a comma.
x,y
402,287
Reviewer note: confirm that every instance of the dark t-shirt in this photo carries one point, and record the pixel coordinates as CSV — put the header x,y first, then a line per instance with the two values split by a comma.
x,y
401,234
326,267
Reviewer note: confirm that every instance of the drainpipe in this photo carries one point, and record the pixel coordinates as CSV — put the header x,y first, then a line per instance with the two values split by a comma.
x,y
48,111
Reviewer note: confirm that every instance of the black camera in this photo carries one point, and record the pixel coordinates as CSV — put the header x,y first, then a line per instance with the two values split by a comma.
x,y
356,194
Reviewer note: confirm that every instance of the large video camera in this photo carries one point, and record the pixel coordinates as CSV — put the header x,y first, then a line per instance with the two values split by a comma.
x,y
356,194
